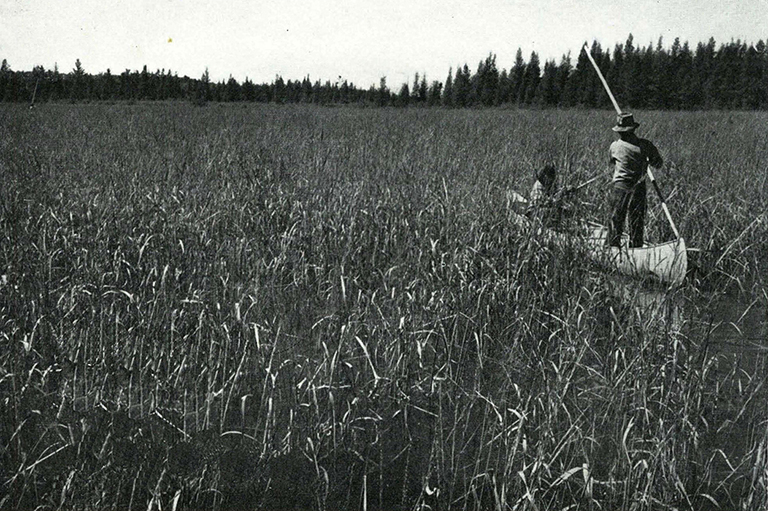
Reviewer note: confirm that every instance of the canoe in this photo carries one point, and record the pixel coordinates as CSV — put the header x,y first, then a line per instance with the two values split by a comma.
x,y
666,262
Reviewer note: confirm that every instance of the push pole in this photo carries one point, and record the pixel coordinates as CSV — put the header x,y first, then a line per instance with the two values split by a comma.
x,y
618,111
602,79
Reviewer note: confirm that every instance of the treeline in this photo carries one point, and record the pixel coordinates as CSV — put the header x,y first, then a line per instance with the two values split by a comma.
x,y
731,76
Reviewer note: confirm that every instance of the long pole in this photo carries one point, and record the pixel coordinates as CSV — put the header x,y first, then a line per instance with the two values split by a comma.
x,y
34,94
602,79
618,111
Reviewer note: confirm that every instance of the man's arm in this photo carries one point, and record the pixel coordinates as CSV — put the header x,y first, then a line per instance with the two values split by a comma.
x,y
654,158
611,159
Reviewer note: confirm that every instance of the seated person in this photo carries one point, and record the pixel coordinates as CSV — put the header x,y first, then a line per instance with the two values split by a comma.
x,y
545,186
548,204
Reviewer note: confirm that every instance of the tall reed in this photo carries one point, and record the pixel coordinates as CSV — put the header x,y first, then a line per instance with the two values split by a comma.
x,y
296,307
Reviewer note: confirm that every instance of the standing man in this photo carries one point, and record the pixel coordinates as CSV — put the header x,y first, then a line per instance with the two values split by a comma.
x,y
630,157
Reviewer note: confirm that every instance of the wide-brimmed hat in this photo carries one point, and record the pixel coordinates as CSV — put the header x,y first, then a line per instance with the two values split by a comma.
x,y
625,122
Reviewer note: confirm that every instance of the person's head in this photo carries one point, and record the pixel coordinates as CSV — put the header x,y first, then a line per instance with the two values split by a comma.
x,y
625,125
547,176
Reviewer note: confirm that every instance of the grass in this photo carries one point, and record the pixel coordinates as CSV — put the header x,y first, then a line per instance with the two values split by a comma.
x,y
293,307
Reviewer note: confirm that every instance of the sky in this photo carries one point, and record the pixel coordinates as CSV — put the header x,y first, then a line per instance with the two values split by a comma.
x,y
355,40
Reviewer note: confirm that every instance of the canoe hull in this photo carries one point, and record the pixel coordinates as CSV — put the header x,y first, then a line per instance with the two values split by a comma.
x,y
668,262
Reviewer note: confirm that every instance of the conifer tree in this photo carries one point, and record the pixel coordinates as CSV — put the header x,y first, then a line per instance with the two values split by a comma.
x,y
383,92
614,73
631,73
306,90
435,93
423,89
461,87
232,91
591,88
527,94
448,90
547,91
202,94
516,75
415,89
77,87
561,80
502,90
106,87
5,80
704,66
488,81
576,80
603,101
474,85
685,79
278,90
761,77
404,96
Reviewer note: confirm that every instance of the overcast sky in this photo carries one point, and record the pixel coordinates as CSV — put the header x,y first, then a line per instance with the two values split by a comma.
x,y
359,40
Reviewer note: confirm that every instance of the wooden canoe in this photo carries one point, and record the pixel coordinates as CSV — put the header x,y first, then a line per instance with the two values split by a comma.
x,y
666,262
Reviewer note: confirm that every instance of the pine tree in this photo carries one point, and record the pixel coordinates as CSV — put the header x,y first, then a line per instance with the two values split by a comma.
x,y
531,80
591,92
56,90
37,85
77,88
646,81
705,70
435,93
278,90
384,95
488,81
576,80
503,89
547,93
614,74
448,90
5,80
106,86
561,81
631,74
761,78
516,75
669,70
248,90
685,79
415,89
474,85
306,90
423,89
461,87
202,92
404,96
232,91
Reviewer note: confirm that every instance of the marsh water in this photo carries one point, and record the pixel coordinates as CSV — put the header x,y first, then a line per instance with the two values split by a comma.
x,y
725,345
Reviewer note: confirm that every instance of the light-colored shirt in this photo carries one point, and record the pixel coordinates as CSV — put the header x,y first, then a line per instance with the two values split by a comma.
x,y
540,193
631,159
537,192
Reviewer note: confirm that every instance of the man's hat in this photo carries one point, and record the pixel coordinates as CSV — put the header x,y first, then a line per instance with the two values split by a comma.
x,y
625,122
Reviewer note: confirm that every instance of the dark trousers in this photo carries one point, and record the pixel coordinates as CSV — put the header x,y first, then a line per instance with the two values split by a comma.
x,y
630,201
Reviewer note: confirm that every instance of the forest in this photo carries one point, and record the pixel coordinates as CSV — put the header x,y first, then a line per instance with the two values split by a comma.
x,y
732,75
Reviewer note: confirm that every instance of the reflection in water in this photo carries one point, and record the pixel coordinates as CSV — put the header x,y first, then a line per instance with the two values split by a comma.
x,y
658,307
724,368
725,321
736,323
